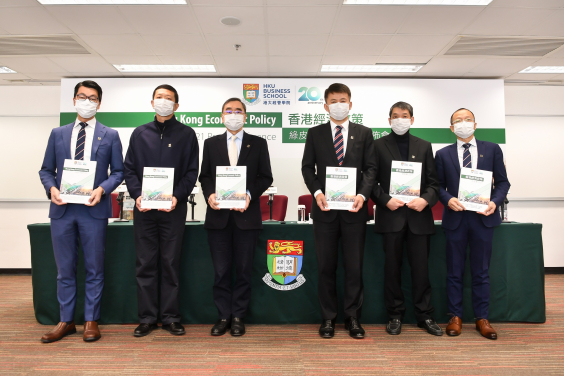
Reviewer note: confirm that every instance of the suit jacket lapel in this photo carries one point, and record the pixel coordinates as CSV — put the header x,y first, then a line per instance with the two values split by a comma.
x,y
392,146
413,147
479,162
454,156
328,139
99,133
222,150
67,135
246,146
352,135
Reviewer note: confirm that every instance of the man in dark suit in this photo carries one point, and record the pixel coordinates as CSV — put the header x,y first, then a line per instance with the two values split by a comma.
x,y
339,143
410,223
465,228
83,139
233,234
162,143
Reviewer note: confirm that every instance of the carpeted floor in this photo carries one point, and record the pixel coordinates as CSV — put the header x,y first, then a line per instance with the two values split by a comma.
x,y
522,349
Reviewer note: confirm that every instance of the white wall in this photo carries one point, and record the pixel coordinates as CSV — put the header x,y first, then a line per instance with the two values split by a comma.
x,y
524,105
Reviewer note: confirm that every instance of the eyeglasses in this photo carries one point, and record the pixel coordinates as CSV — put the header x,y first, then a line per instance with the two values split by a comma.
x,y
229,112
468,120
92,98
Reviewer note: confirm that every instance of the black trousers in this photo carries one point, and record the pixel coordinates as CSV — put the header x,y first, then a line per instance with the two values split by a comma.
x,y
158,237
229,246
418,255
352,236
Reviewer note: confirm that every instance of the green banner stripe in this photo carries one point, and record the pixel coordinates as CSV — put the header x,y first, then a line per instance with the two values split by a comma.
x,y
192,119
433,135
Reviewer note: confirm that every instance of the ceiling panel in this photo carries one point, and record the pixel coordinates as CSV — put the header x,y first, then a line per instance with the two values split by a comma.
x,y
251,45
361,19
422,59
176,44
227,2
553,25
438,19
407,45
126,44
252,20
101,20
532,77
231,65
295,64
94,64
133,59
551,61
300,20
507,21
187,60
161,20
297,45
528,3
27,65
499,67
357,44
349,59
19,3
30,20
449,66
304,2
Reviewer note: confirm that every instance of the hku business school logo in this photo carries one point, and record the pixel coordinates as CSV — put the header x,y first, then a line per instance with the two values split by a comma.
x,y
284,259
251,93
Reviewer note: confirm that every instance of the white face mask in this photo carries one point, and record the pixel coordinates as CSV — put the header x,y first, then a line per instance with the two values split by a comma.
x,y
400,126
163,107
234,122
85,108
464,129
339,111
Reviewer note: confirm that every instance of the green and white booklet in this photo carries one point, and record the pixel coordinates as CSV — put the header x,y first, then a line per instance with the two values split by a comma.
x,y
405,180
77,181
340,187
156,192
231,186
475,189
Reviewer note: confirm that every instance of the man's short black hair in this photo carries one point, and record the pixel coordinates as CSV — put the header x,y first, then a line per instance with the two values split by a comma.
x,y
337,88
402,106
460,109
90,85
169,88
234,99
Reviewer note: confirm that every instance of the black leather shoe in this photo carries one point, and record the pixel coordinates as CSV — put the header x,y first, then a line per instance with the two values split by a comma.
x,y
327,328
353,326
431,326
394,327
220,327
175,328
237,327
143,329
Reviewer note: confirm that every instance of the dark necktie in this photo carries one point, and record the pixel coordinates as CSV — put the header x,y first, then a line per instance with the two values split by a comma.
x,y
339,144
467,157
79,150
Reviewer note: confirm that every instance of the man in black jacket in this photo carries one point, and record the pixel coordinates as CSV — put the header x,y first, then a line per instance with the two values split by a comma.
x,y
400,222
339,143
233,234
162,143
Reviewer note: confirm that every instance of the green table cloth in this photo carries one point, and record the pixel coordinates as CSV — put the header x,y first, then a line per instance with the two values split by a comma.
x,y
516,277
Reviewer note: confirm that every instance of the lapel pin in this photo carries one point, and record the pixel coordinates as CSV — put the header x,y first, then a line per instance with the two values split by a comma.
x,y
352,137
413,156
99,138
169,145
248,146
481,156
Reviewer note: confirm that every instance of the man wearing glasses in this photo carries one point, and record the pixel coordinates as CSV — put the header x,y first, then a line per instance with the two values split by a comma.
x,y
233,234
84,139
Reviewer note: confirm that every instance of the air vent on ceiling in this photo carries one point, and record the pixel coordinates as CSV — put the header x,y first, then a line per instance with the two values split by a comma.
x,y
50,45
472,46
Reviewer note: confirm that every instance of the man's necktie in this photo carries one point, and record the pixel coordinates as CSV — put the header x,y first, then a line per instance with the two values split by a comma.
x,y
233,152
339,144
79,150
466,156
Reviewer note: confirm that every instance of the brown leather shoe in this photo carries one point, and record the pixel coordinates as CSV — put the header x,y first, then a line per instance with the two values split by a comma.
x,y
61,330
91,331
485,329
454,327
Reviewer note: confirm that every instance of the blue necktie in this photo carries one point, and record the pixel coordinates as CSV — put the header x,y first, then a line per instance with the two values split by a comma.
x,y
339,144
466,156
79,150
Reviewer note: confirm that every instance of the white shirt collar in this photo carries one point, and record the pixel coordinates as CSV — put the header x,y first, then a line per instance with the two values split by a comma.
x,y
345,125
238,135
461,143
91,122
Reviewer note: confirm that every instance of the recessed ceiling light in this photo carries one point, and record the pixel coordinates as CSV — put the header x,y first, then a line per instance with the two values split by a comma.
x,y
112,2
418,2
166,68
376,68
230,21
7,70
544,69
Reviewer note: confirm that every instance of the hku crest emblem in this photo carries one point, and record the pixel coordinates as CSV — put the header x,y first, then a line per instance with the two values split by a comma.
x,y
251,93
284,259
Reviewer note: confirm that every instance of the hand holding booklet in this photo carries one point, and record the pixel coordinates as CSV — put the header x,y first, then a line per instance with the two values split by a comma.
x,y
405,180
475,189
340,187
231,187
156,192
77,181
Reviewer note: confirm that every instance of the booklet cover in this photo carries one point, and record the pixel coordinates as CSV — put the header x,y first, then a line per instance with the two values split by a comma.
x,y
157,188
77,181
405,180
340,187
231,186
128,206
475,189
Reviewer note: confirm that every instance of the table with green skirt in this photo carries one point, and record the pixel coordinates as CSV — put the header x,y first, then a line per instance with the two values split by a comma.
x,y
516,278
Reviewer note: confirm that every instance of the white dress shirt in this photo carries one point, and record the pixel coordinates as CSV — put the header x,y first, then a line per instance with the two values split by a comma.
x,y
89,129
238,141
473,152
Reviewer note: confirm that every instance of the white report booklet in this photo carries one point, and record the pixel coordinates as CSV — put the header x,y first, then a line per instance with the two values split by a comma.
x,y
156,191
475,189
340,187
405,180
231,186
77,181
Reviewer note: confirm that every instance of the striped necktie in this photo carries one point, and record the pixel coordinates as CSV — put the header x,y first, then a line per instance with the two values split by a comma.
x,y
339,144
466,156
79,150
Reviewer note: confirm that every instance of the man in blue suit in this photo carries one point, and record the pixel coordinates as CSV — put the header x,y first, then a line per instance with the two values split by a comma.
x,y
83,139
467,228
